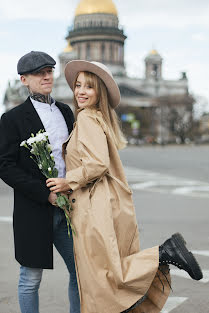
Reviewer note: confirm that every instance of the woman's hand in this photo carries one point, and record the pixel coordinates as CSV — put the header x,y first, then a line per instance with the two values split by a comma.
x,y
57,184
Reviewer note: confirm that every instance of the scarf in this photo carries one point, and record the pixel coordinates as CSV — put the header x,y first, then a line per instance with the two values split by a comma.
x,y
41,98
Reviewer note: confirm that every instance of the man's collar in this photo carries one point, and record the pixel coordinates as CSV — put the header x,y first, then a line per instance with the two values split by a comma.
x,y
38,104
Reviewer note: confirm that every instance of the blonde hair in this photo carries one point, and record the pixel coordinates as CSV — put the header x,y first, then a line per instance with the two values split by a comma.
x,y
110,116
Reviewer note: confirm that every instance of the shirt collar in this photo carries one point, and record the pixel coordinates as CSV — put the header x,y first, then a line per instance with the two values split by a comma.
x,y
41,105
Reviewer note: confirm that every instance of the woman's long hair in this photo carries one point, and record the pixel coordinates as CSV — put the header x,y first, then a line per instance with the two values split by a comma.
x,y
110,116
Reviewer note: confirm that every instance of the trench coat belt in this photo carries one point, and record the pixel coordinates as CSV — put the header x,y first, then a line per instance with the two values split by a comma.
x,y
112,177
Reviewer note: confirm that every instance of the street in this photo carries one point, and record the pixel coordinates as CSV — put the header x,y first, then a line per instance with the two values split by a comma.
x,y
171,194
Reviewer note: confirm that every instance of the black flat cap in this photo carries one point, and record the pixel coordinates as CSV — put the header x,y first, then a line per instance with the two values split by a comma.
x,y
33,62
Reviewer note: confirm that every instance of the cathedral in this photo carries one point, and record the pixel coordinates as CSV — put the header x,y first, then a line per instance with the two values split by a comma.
x,y
146,102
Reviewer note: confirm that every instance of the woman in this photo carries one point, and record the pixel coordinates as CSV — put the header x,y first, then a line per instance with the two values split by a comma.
x,y
113,274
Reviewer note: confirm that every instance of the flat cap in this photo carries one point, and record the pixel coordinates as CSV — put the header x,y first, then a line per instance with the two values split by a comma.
x,y
33,62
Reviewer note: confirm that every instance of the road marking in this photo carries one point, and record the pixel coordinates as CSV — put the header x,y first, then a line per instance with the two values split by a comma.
x,y
6,219
172,303
155,182
144,185
183,274
201,252
190,189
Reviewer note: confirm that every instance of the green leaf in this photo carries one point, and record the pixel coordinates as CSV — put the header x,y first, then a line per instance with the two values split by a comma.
x,y
61,201
55,172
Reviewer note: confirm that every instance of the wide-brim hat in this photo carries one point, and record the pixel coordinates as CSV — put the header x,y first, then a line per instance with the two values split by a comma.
x,y
72,69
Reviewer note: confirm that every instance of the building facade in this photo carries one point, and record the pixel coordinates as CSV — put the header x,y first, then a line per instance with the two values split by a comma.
x,y
96,36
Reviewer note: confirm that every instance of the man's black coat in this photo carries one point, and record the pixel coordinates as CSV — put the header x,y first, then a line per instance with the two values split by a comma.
x,y
33,214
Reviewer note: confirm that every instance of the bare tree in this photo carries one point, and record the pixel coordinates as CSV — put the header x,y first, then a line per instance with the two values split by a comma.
x,y
176,115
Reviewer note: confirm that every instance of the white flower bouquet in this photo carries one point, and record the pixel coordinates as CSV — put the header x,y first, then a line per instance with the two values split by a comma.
x,y
41,151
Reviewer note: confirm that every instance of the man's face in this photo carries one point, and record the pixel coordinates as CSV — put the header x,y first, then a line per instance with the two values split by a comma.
x,y
39,82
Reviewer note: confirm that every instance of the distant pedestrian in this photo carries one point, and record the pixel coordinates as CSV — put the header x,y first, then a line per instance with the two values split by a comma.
x,y
113,274
37,222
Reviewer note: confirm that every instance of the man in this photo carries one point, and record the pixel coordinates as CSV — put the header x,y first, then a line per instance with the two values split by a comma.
x,y
37,223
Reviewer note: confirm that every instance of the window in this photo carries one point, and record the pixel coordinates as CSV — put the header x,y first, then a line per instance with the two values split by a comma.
x,y
103,52
88,51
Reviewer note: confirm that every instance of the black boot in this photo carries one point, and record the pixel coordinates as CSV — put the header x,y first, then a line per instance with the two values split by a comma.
x,y
174,251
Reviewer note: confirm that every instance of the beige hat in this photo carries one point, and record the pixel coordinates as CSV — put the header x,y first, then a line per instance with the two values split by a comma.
x,y
74,67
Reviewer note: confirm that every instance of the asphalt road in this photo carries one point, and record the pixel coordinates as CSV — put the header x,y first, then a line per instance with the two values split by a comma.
x,y
171,193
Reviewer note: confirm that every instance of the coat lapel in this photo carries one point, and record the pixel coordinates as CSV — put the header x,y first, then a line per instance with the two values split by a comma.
x,y
68,118
33,121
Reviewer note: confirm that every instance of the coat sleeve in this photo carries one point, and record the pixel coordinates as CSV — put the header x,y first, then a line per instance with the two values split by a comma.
x,y
10,172
93,151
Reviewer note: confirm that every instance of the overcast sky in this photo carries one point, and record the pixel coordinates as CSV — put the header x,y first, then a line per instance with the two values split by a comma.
x,y
178,29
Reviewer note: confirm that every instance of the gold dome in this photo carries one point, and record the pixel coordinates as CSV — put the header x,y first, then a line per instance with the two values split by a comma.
x,y
153,51
68,48
96,6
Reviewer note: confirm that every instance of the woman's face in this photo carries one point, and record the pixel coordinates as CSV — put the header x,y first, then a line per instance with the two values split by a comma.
x,y
85,94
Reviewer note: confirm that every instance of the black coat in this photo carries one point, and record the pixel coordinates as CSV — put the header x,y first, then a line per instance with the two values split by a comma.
x,y
33,214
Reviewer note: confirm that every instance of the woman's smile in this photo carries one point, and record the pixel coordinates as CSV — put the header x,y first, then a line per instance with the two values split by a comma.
x,y
82,99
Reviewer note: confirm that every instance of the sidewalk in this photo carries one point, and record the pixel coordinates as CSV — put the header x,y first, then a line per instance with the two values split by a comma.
x,y
54,287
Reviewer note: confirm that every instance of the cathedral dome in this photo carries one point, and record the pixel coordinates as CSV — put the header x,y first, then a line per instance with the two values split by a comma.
x,y
154,52
96,6
153,55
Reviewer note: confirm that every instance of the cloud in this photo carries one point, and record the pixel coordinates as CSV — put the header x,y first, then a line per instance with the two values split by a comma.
x,y
164,19
199,78
202,37
46,10
162,13
4,34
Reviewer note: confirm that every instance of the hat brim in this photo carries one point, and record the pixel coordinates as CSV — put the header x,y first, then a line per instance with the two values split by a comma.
x,y
72,69
41,67
37,69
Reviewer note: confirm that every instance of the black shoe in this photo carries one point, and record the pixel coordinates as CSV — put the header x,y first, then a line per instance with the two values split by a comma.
x,y
174,251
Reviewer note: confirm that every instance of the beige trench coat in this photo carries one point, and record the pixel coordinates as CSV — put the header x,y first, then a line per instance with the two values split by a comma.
x,y
112,274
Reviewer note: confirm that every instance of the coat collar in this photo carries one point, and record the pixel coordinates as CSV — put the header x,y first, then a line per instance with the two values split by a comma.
x,y
89,109
32,116
65,112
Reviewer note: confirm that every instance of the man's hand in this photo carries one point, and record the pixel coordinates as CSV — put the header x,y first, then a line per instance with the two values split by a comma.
x,y
57,184
52,198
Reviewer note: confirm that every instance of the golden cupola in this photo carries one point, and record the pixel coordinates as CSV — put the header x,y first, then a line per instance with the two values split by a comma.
x,y
153,65
96,6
